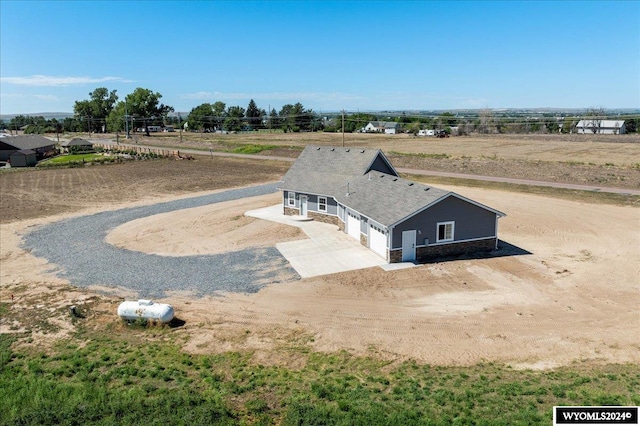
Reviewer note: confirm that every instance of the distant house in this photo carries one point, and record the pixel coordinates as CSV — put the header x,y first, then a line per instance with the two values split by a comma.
x,y
360,192
77,144
23,158
602,127
387,127
426,132
10,144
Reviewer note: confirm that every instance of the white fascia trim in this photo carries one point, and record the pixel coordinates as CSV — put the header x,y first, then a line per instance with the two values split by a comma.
x,y
421,210
475,203
386,160
445,196
362,215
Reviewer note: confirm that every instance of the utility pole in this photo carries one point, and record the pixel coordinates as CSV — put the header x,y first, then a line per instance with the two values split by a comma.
x,y
343,128
126,119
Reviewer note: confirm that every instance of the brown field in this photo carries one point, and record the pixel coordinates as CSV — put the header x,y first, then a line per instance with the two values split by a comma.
x,y
573,298
599,160
619,150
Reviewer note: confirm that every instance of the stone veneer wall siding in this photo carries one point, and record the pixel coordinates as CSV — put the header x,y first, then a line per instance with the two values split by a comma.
x,y
363,240
333,220
427,253
288,211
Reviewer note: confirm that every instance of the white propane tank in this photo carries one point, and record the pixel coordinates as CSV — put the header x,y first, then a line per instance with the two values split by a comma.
x,y
146,309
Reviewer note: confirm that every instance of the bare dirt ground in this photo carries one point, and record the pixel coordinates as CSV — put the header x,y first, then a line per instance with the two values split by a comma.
x,y
574,298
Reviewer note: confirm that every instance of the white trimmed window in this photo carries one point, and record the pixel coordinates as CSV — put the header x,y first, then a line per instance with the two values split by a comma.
x,y
292,198
445,231
322,204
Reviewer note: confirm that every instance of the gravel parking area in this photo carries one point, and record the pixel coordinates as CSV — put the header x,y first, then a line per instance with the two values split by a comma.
x,y
77,246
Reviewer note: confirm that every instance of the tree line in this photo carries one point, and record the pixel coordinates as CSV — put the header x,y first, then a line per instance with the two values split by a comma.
x,y
104,112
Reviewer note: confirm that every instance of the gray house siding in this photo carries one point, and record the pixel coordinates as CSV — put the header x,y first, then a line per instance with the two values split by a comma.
x,y
332,205
471,222
295,201
380,165
312,202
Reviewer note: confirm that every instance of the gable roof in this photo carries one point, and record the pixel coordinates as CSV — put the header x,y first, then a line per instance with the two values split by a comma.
x,y
615,124
27,141
385,124
353,176
76,142
385,198
24,152
323,169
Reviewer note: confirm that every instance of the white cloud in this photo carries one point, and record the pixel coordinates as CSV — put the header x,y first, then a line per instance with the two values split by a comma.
x,y
53,81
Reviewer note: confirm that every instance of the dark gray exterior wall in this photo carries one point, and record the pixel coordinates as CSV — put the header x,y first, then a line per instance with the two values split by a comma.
x,y
471,222
380,165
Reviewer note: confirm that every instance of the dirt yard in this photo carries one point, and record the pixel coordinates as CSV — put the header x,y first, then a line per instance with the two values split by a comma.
x,y
573,298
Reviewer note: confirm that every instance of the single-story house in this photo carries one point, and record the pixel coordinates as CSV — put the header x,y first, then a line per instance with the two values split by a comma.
x,y
78,144
37,143
388,127
23,158
360,192
603,127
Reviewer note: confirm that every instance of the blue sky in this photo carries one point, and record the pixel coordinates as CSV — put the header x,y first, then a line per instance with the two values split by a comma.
x,y
362,55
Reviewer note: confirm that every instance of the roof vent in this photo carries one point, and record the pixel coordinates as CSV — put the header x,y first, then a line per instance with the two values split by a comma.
x,y
346,150
333,149
410,183
362,151
395,179
427,188
318,149
381,176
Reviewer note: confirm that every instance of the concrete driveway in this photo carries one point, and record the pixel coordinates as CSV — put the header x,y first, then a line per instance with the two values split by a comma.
x,y
328,250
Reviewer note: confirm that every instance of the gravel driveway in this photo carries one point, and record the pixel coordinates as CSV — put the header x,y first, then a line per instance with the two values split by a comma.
x,y
77,247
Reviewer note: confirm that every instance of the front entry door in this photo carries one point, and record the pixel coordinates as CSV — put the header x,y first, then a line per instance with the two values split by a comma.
x,y
409,245
303,205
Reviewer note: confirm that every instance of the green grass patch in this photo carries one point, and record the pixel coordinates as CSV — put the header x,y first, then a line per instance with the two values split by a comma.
x,y
71,158
252,149
137,376
594,197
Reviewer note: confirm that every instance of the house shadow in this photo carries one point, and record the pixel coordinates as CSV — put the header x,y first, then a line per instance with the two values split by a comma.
x,y
504,249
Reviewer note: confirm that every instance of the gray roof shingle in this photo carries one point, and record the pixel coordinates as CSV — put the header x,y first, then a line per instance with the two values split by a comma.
x,y
387,199
321,169
345,175
27,141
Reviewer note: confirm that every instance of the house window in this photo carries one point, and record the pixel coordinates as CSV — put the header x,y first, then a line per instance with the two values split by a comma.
x,y
445,231
322,204
292,198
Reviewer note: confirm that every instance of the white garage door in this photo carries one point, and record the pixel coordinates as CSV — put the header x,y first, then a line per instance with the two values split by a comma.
x,y
377,241
353,226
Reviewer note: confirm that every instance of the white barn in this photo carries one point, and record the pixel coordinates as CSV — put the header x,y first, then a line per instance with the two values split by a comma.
x,y
602,127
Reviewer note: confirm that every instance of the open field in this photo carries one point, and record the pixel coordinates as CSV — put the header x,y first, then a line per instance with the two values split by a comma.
x,y
600,160
619,150
442,340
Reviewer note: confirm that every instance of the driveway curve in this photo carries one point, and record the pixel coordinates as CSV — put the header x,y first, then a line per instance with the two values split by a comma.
x,y
78,248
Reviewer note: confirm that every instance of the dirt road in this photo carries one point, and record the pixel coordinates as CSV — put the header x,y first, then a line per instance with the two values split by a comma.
x,y
417,171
